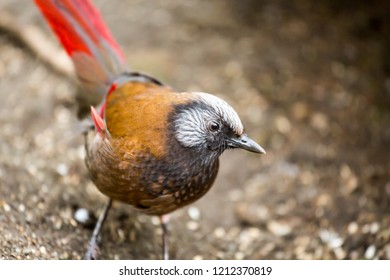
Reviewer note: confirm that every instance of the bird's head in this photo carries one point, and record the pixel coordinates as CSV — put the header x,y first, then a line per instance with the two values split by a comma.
x,y
208,123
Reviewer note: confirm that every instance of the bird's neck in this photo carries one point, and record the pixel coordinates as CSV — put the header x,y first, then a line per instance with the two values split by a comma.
x,y
194,159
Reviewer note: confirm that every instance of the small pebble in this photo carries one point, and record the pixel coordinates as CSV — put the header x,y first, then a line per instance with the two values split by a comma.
x,y
197,257
73,223
21,208
57,224
353,228
279,228
267,248
7,236
155,221
82,216
370,252
62,169
239,255
374,228
233,233
64,241
219,232
6,207
64,256
221,255
282,124
331,238
191,225
81,152
354,255
194,213
42,250
279,255
340,253
319,121
121,235
254,232
335,242
366,228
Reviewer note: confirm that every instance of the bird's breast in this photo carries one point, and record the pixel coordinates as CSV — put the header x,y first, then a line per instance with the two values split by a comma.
x,y
154,185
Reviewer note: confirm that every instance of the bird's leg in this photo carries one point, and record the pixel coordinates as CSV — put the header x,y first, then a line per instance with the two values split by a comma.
x,y
93,247
164,219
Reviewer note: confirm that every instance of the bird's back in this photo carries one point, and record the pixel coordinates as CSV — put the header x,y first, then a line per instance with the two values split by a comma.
x,y
138,112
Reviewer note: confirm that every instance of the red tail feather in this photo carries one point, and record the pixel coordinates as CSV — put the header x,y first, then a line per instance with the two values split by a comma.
x,y
84,35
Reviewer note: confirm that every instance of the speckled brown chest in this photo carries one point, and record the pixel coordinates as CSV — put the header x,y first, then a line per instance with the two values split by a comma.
x,y
141,163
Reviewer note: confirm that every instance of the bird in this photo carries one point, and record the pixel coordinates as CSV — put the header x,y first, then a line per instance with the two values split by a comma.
x,y
148,145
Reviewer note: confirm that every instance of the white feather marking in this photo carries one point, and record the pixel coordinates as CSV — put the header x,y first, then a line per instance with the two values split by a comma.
x,y
224,110
191,124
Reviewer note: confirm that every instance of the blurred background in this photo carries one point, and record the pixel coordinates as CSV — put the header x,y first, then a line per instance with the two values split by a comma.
x,y
311,82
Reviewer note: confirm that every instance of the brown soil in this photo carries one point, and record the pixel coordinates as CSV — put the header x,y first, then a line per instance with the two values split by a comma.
x,y
310,80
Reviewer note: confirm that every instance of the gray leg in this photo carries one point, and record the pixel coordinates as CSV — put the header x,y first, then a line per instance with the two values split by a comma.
x,y
164,219
93,247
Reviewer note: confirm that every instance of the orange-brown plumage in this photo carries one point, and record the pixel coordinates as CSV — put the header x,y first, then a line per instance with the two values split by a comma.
x,y
131,115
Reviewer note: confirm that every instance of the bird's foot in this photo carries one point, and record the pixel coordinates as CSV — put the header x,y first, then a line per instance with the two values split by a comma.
x,y
92,251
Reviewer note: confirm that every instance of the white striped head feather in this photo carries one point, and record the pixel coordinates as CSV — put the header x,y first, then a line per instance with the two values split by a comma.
x,y
207,121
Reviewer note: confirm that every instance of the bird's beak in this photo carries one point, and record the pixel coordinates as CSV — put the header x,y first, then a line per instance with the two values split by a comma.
x,y
244,142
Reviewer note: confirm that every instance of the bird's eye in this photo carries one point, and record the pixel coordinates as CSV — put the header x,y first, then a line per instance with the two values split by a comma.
x,y
214,126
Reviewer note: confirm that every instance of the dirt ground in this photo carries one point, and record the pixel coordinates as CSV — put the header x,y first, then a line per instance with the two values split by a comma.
x,y
311,82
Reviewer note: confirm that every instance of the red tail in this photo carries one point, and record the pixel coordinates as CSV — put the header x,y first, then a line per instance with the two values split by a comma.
x,y
81,30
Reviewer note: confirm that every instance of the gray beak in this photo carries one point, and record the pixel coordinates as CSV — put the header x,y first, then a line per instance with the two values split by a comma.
x,y
244,142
